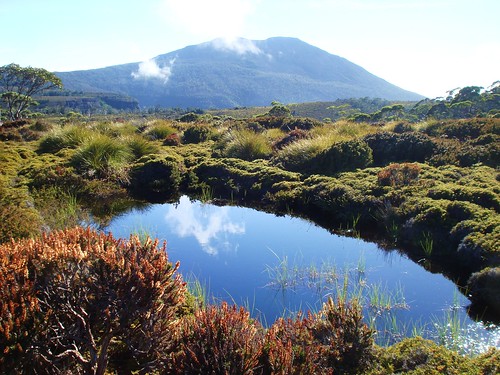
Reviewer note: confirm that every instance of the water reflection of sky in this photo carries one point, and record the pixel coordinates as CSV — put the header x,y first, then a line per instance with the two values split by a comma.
x,y
211,226
246,256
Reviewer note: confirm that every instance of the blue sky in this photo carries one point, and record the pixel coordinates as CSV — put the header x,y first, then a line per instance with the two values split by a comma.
x,y
426,46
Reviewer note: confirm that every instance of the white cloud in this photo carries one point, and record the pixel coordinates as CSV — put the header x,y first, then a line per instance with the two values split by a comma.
x,y
150,69
239,45
209,227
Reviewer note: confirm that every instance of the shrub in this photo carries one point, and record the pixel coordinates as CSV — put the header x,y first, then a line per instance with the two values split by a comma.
x,y
335,340
484,288
217,340
172,140
197,134
157,175
345,340
140,146
399,174
102,157
70,137
189,117
297,156
247,145
290,348
18,217
160,130
291,137
419,356
392,147
76,298
342,156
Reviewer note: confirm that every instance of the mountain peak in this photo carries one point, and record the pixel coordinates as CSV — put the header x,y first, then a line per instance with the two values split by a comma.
x,y
228,72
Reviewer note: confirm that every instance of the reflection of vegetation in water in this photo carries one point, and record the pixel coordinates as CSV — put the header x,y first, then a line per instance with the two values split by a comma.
x,y
59,207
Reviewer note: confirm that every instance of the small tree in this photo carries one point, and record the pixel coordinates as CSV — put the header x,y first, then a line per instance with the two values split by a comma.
x,y
18,85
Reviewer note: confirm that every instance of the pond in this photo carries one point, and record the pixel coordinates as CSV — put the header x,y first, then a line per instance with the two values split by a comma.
x,y
276,266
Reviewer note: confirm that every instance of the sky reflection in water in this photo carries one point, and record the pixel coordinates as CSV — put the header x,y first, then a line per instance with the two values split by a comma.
x,y
276,266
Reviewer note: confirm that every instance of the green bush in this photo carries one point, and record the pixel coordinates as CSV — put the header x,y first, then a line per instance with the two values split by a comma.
x,y
342,156
247,145
197,134
102,157
18,217
417,356
157,175
484,288
139,146
297,156
238,178
393,147
160,130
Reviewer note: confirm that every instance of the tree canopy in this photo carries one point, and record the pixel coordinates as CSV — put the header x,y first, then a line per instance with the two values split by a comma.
x,y
18,85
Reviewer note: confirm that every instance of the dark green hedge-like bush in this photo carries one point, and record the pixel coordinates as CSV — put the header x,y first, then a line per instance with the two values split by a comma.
x,y
287,123
197,133
157,175
393,147
485,287
238,178
342,156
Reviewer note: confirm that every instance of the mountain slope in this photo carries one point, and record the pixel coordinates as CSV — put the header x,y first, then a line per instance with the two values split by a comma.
x,y
222,74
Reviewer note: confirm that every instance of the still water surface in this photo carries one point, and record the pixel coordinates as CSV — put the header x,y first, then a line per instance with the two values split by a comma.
x,y
276,266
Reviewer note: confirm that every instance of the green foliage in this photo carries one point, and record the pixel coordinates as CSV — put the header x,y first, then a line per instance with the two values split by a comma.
x,y
240,179
160,130
18,85
69,137
189,117
157,175
287,123
139,146
247,145
279,110
197,133
419,356
484,287
466,102
296,156
342,156
18,217
102,157
392,147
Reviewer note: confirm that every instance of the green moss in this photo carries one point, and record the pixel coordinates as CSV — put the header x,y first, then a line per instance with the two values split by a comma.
x,y
159,175
238,178
419,356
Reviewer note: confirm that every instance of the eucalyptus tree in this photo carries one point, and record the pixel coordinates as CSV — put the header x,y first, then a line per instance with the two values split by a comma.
x,y
18,85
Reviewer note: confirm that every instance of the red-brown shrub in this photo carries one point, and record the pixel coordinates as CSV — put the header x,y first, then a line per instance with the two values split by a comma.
x,y
217,340
72,299
399,174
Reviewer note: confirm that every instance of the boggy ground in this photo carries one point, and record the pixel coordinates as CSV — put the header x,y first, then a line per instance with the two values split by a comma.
x,y
429,188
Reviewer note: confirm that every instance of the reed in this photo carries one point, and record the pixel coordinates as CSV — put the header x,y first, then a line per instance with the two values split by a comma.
x,y
427,244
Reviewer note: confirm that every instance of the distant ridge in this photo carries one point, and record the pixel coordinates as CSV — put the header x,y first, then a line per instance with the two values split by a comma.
x,y
234,73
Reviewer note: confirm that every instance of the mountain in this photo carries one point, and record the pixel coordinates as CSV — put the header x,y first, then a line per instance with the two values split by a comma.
x,y
241,72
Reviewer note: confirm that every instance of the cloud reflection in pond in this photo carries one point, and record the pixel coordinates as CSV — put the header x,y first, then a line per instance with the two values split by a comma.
x,y
210,225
